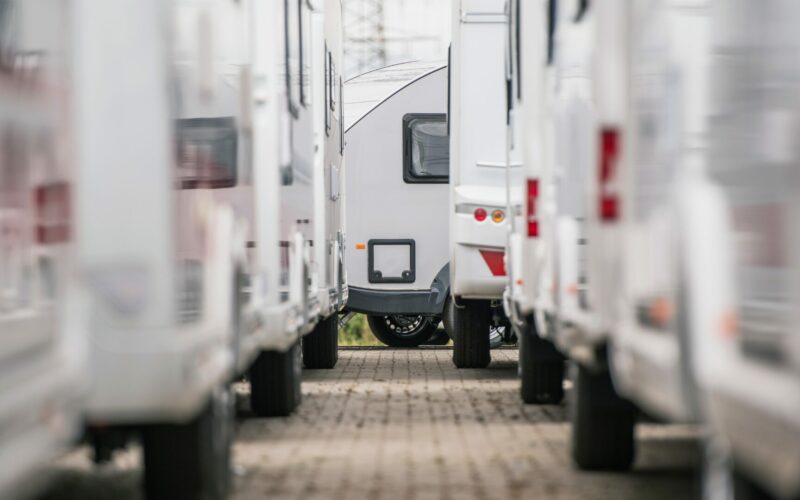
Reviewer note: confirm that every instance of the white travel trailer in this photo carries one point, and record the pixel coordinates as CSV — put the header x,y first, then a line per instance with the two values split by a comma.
x,y
530,299
397,155
747,344
158,249
662,226
297,284
478,149
564,250
42,353
194,272
328,277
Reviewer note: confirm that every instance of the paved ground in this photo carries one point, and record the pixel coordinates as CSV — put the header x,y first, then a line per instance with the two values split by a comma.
x,y
391,424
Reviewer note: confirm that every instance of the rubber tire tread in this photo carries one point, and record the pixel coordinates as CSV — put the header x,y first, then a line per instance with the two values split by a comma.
x,y
190,461
388,337
471,334
275,383
603,424
541,370
321,346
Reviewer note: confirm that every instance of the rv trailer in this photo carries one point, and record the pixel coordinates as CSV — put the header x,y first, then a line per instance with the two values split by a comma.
x,y
397,172
665,148
42,347
164,211
747,345
564,257
477,123
298,285
529,299
328,277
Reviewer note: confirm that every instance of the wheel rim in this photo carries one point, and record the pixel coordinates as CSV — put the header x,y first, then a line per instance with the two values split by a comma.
x,y
405,326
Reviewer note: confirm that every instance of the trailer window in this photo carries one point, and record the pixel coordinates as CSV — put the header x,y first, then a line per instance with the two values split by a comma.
x,y
426,148
207,152
328,90
293,55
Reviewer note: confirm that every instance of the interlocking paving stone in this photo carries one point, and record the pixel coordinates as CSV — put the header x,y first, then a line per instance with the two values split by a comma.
x,y
390,424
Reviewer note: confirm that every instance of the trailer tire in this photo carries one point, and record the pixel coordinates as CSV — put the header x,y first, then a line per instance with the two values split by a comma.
x,y
603,423
471,334
391,329
321,346
541,370
275,382
439,337
191,460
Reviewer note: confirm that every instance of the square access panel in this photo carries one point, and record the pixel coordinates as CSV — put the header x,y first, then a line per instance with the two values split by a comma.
x,y
392,261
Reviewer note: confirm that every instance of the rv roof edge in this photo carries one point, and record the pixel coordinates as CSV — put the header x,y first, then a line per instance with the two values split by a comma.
x,y
383,83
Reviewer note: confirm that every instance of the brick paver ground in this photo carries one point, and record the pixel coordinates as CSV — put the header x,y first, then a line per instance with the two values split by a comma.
x,y
393,424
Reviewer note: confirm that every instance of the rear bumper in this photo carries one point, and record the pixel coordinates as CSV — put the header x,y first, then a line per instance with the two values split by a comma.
x,y
40,415
381,301
472,277
156,376
368,301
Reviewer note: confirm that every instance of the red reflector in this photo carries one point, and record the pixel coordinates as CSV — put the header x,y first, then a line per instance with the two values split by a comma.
x,y
495,260
480,215
608,203
532,198
52,213
609,208
533,229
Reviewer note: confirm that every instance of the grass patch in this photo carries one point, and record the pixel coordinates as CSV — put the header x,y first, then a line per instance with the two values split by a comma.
x,y
357,333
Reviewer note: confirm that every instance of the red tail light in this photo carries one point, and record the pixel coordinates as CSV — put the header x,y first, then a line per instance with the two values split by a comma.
x,y
533,197
52,213
480,214
608,201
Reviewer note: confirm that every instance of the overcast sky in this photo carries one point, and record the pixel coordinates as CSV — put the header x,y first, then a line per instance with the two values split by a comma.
x,y
415,29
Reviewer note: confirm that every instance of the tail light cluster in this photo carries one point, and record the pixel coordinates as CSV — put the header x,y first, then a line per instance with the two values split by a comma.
x,y
531,201
608,199
52,202
481,214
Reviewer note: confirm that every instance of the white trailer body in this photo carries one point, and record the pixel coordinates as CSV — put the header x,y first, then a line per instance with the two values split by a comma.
x,y
574,102
748,347
164,207
397,172
329,132
477,123
42,347
665,147
479,156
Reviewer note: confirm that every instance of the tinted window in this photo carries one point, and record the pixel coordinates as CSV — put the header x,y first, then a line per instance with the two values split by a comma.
x,y
426,148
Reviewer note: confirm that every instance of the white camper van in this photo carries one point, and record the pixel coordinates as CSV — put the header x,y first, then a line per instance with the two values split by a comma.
x,y
169,200
297,280
531,299
42,353
478,220
328,277
564,253
397,155
664,148
748,347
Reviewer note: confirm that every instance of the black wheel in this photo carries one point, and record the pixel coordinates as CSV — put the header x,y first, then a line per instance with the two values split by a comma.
x,y
744,488
439,337
471,334
602,423
541,370
191,460
398,330
275,382
321,346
